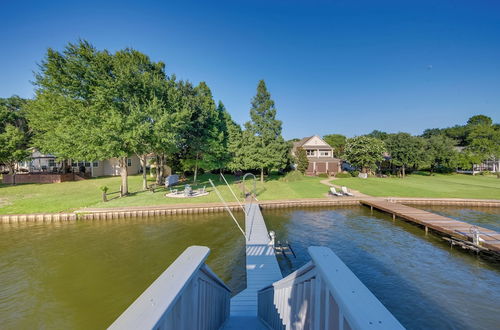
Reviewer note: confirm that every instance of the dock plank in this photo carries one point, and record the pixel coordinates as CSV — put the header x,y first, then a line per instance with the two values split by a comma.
x,y
261,264
436,222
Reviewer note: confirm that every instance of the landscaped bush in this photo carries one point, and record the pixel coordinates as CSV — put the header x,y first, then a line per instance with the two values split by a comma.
x,y
354,174
343,175
323,175
292,176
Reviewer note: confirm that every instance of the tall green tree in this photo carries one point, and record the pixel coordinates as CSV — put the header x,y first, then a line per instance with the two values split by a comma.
x,y
90,104
264,147
378,135
405,150
484,142
235,146
202,134
301,160
14,132
364,152
337,142
439,151
12,147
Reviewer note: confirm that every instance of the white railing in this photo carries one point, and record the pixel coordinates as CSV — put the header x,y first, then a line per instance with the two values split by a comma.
x,y
323,294
188,295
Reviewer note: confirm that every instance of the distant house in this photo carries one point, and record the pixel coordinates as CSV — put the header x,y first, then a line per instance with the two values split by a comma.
x,y
39,162
320,155
492,165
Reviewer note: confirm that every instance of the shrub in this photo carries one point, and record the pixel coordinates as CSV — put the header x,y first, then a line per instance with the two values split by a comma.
x,y
354,173
486,173
343,175
104,189
323,175
293,176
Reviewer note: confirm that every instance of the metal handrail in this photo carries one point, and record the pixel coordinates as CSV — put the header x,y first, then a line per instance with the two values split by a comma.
x,y
177,299
323,294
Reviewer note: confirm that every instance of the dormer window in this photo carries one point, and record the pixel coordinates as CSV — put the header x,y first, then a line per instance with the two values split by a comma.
x,y
311,152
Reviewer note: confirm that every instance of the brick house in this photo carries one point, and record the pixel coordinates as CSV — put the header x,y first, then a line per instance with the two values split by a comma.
x,y
320,156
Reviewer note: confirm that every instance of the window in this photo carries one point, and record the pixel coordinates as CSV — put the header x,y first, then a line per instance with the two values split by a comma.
x,y
87,164
129,162
311,152
52,162
324,153
95,163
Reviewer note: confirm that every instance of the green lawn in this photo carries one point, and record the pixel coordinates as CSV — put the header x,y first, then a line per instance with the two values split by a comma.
x,y
439,185
69,196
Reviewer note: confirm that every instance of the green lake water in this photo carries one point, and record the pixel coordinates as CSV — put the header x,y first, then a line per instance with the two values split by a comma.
x,y
83,275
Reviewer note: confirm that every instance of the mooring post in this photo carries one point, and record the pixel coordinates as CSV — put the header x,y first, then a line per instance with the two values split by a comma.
x,y
426,230
393,217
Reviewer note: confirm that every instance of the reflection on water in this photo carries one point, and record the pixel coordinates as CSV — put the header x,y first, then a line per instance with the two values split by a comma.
x,y
83,275
423,282
487,217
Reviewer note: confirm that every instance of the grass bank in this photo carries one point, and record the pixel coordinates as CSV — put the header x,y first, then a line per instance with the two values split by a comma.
x,y
69,196
435,186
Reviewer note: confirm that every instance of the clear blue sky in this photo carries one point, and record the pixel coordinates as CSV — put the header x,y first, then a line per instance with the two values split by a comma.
x,y
332,67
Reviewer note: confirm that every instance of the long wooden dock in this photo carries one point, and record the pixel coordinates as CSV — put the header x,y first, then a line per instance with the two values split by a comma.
x,y
262,270
439,223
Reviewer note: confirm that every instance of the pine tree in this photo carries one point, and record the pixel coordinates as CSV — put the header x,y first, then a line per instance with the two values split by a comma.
x,y
264,147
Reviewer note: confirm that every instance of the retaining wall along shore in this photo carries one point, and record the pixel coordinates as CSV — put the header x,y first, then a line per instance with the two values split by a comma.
x,y
177,209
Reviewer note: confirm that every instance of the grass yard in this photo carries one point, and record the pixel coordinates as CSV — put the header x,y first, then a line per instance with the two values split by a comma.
x,y
438,186
70,196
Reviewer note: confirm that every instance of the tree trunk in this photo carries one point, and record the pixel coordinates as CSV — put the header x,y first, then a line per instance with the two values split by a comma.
x,y
403,171
195,169
144,174
262,175
63,164
12,171
124,176
159,169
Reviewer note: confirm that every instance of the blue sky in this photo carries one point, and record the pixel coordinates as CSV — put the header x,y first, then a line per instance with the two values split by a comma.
x,y
343,67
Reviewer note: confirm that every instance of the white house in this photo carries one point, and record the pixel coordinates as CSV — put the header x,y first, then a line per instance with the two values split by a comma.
x,y
39,162
320,155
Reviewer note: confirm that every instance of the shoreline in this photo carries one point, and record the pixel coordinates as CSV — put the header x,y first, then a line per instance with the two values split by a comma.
x,y
204,208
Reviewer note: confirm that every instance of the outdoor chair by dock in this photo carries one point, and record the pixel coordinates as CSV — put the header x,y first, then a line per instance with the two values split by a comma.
x,y
334,192
346,192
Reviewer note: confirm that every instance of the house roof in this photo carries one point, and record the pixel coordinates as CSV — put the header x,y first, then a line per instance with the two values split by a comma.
x,y
301,142
306,139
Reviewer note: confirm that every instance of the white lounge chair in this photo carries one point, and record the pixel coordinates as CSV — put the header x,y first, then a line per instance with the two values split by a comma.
x,y
346,192
334,192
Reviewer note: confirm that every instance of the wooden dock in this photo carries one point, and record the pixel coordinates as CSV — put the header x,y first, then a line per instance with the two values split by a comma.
x,y
262,270
444,225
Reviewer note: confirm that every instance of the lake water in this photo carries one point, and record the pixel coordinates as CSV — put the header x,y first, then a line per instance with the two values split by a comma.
x,y
83,275
423,282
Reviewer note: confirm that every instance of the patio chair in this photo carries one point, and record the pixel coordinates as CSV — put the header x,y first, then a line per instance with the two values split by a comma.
x,y
346,192
334,192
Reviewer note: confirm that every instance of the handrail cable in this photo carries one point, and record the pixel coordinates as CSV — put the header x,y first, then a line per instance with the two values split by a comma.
x,y
241,205
227,208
